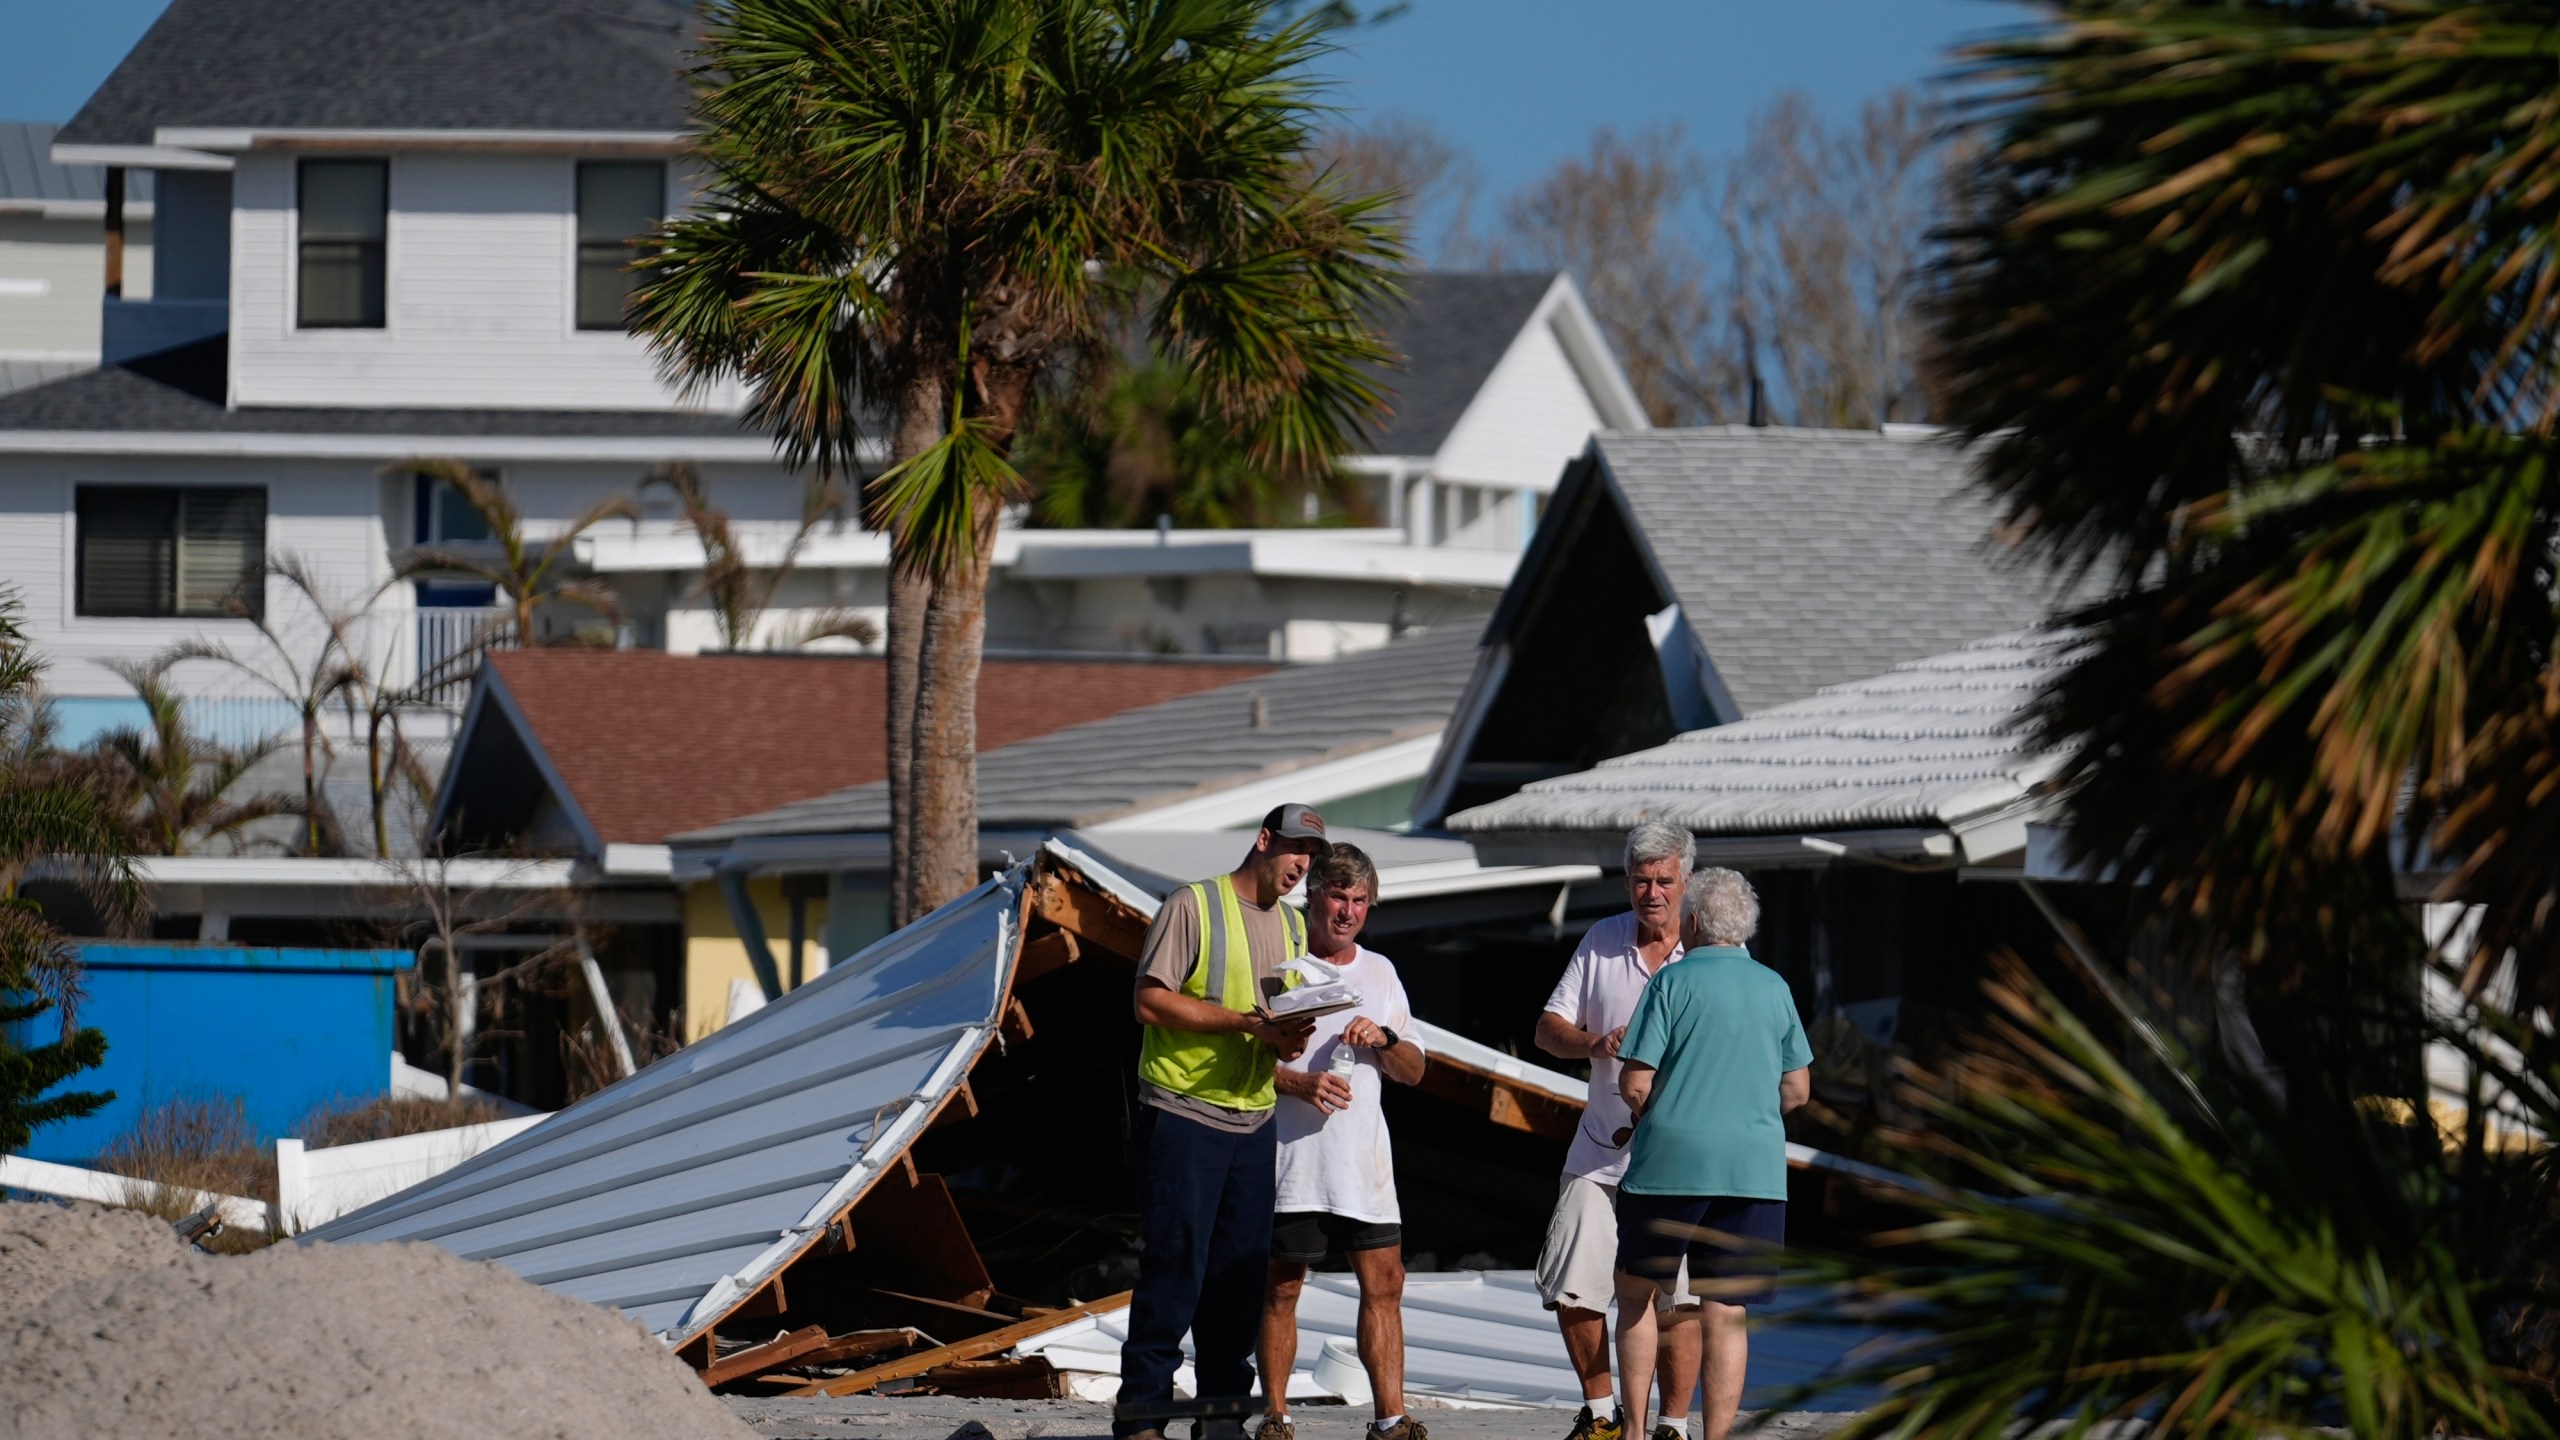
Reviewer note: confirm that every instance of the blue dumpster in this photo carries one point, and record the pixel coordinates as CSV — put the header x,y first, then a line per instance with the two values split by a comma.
x,y
283,1030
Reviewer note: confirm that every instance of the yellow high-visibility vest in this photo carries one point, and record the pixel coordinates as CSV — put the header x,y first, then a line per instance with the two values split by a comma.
x,y
1232,1069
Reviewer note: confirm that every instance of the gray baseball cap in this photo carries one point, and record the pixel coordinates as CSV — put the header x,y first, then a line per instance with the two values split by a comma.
x,y
1294,822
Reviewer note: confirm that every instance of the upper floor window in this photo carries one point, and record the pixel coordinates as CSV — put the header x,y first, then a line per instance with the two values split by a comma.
x,y
171,550
619,201
445,514
345,207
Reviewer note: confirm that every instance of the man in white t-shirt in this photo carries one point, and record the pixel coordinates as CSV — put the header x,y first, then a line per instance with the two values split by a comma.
x,y
1585,1019
1337,1182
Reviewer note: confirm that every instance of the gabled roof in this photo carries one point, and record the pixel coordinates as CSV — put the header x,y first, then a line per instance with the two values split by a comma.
x,y
1268,725
29,175
1453,328
1935,743
1805,558
556,65
631,746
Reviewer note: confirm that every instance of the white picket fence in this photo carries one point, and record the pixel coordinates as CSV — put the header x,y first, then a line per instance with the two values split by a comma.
x,y
314,1187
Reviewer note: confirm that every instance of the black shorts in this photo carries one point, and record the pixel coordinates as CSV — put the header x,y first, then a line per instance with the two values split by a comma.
x,y
1654,1231
1308,1236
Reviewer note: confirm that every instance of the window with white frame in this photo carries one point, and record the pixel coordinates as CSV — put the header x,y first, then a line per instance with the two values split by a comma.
x,y
619,202
165,550
345,215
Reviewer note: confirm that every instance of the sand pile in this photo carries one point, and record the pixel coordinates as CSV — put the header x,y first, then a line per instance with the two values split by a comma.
x,y
141,1336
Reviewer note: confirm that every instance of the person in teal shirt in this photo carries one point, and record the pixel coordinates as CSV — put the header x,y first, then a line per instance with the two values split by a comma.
x,y
1714,1060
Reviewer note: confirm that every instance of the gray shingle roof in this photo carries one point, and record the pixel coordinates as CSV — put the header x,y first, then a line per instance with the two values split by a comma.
x,y
1805,558
415,64
1200,742
27,171
1453,329
122,399
1928,743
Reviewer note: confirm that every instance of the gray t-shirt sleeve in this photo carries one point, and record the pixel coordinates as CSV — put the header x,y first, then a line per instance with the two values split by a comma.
x,y
1172,950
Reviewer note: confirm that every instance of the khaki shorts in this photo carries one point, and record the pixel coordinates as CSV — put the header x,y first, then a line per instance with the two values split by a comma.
x,y
1578,1268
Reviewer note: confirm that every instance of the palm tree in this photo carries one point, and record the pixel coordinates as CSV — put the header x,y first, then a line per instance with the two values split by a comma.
x,y
2102,1240
932,207
54,810
176,783
2255,321
1138,444
740,591
309,672
527,574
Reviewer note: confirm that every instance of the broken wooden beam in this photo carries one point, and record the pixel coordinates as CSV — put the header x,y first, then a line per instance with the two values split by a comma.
x,y
975,1347
1030,1378
771,1355
1054,951
1096,918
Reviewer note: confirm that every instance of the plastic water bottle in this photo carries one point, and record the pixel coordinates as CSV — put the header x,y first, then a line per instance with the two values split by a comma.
x,y
1343,1060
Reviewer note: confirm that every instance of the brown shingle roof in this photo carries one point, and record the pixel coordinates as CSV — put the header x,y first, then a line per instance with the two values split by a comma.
x,y
649,744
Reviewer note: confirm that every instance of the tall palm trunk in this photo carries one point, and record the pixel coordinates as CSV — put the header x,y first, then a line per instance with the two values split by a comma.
x,y
944,811
920,422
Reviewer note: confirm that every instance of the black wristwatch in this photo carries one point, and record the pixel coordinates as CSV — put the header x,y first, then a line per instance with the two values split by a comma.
x,y
1393,1039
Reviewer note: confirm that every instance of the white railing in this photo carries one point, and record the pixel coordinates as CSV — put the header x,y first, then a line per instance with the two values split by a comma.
x,y
450,641
314,1187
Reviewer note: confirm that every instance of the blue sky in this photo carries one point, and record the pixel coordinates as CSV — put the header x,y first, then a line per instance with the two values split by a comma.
x,y
1516,84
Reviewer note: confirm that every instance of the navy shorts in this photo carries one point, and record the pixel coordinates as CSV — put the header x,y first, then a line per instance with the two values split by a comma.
x,y
1655,1231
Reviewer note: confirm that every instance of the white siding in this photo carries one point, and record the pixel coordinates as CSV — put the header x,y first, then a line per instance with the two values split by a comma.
x,y
479,259
1532,415
52,275
342,518
328,515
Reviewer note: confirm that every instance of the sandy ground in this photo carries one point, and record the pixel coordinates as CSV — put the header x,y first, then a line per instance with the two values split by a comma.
x,y
137,1335
867,1417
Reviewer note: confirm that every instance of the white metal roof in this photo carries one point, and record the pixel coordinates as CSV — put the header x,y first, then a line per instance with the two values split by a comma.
x,y
672,1194
1931,742
1472,1338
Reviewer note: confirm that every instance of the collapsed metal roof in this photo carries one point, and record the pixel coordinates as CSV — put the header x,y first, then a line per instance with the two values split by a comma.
x,y
681,1195
675,1194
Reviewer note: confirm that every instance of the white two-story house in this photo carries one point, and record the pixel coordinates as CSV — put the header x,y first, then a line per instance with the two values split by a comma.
x,y
385,231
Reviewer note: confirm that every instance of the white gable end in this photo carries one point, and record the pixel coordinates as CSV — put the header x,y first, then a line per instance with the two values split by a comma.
x,y
1540,404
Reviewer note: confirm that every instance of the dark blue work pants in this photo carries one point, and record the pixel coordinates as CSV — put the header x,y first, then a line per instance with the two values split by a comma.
x,y
1204,1197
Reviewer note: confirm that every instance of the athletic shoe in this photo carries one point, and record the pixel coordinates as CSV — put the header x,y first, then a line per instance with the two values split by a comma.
x,y
1407,1428
1275,1427
1587,1426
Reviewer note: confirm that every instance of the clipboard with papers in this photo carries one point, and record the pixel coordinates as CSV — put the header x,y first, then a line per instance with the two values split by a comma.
x,y
1323,992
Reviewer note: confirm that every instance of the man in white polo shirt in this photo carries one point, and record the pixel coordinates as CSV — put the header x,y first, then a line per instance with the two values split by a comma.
x,y
1586,1019
1337,1183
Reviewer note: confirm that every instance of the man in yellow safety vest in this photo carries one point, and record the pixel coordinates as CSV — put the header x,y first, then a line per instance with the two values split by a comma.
x,y
1207,1152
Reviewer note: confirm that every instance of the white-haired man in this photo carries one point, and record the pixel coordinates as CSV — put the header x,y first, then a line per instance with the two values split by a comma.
x,y
1586,1019
1714,1061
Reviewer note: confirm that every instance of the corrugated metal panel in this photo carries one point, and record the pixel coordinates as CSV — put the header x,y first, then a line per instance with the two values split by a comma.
x,y
673,1194
1932,742
1474,1338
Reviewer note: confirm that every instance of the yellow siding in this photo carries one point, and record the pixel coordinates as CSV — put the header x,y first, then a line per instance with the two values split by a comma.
x,y
714,955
